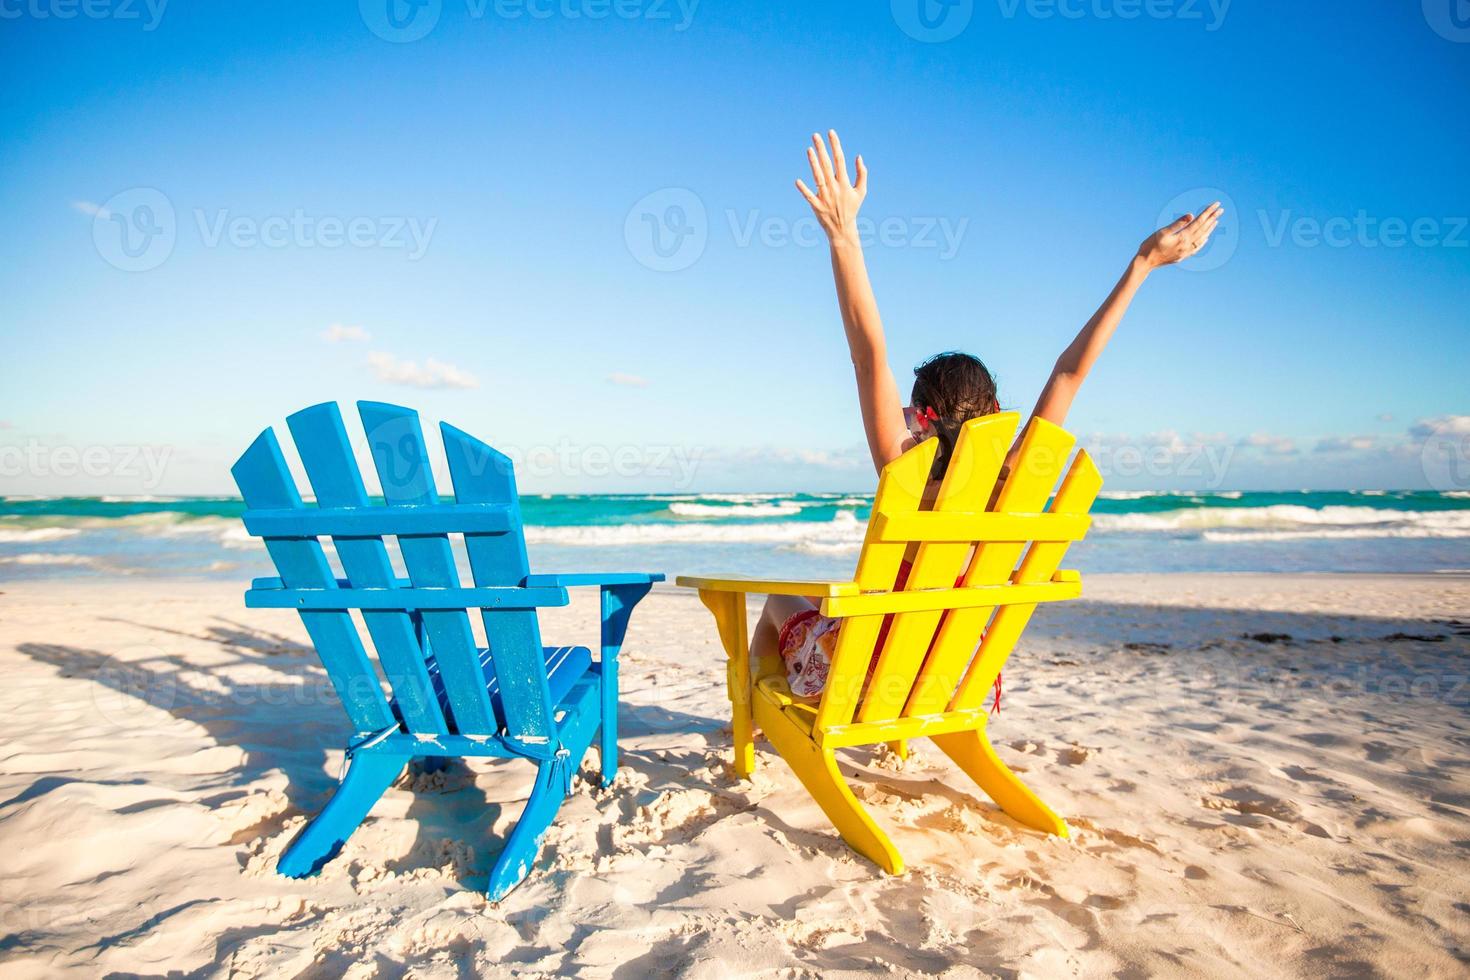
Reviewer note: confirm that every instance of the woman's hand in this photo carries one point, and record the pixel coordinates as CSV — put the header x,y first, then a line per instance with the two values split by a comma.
x,y
836,200
1182,239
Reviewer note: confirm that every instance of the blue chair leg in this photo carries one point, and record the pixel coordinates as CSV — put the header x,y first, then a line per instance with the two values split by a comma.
x,y
321,840
519,854
609,744
431,763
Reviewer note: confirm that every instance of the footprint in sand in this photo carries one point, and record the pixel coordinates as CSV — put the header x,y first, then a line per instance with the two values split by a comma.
x,y
1249,803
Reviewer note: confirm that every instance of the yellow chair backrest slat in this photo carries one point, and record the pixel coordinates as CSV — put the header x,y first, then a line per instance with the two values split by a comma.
x,y
900,491
1043,452
1078,491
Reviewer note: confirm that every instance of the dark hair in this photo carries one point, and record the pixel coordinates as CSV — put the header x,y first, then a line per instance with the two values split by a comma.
x,y
958,387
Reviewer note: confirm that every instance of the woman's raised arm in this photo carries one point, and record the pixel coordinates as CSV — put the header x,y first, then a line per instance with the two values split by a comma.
x,y
835,202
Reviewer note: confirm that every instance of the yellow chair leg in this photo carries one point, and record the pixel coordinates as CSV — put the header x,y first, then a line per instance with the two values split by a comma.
x,y
973,753
742,726
729,612
817,769
900,746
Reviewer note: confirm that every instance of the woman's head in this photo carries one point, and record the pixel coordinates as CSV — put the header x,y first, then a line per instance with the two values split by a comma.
x,y
949,390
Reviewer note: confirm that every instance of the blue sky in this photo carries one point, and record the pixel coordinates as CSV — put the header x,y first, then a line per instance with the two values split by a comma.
x,y
474,211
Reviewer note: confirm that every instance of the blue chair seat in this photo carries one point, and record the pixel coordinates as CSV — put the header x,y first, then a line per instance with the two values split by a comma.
x,y
564,667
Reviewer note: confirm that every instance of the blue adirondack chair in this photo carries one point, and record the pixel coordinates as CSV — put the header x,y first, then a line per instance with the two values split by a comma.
x,y
447,697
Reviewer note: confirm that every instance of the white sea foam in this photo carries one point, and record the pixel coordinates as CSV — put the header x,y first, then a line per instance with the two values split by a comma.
x,y
842,529
735,510
26,535
1127,494
40,559
1338,533
1296,520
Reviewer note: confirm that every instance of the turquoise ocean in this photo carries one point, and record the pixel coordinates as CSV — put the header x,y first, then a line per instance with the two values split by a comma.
x,y
790,534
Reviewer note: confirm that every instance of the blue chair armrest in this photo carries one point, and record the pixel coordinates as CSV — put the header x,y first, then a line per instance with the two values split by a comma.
x,y
621,591
568,580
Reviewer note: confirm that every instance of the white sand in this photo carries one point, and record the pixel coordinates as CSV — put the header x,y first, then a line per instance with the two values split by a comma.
x,y
1239,807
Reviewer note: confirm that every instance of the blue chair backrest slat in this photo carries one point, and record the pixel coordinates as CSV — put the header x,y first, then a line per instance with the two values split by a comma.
x,y
409,599
325,451
397,445
483,476
264,481
364,521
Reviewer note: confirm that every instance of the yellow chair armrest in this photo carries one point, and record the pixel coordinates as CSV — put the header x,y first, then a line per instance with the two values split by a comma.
x,y
768,586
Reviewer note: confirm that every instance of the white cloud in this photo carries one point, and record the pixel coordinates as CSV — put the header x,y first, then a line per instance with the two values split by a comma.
x,y
1344,444
627,380
1441,425
339,332
1272,444
91,210
1386,417
433,374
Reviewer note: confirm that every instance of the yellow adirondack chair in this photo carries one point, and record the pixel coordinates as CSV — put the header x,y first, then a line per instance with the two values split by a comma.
x,y
947,642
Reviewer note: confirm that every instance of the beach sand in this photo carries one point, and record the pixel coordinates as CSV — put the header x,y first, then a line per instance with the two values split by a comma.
x,y
1265,775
